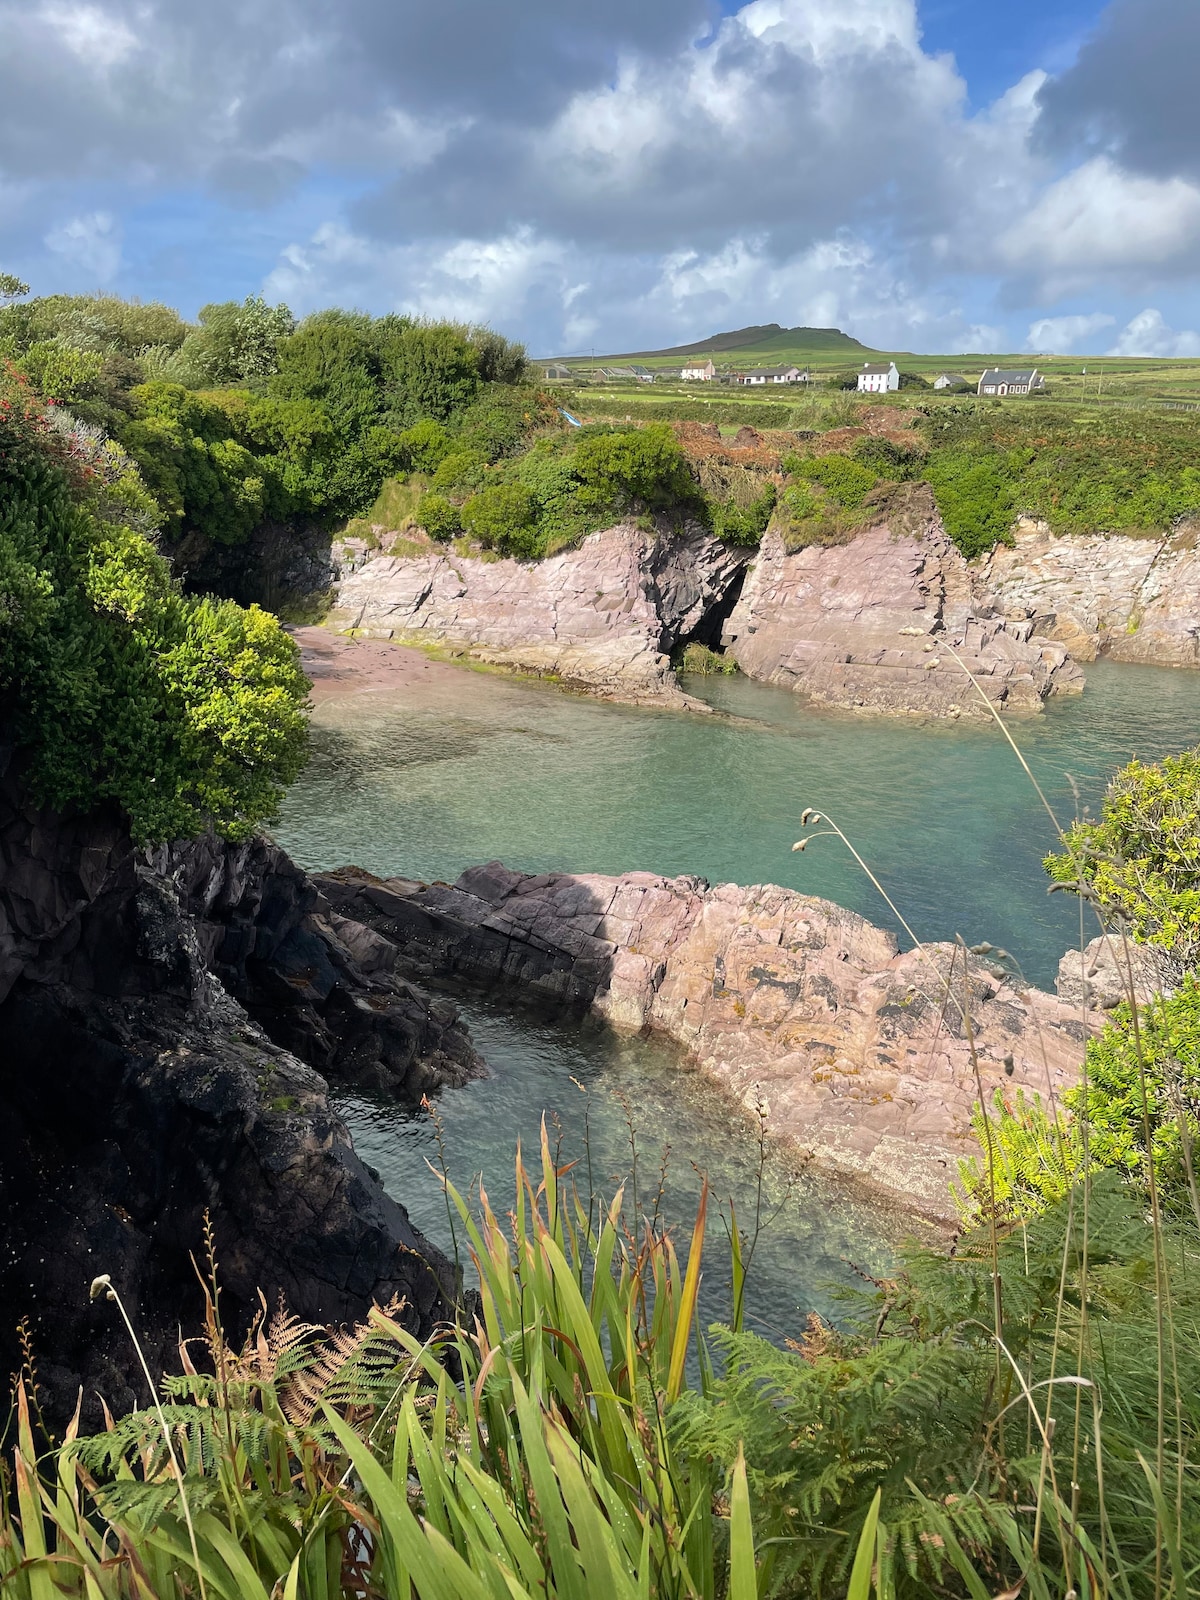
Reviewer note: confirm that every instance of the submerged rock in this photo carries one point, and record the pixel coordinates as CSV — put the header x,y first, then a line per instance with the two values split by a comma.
x,y
153,1017
868,1060
603,618
869,625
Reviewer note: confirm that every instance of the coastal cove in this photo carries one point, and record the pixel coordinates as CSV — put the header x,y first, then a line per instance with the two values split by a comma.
x,y
459,766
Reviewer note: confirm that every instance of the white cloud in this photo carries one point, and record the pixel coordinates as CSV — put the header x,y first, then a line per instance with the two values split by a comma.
x,y
586,170
99,39
1147,334
92,243
1054,334
1098,219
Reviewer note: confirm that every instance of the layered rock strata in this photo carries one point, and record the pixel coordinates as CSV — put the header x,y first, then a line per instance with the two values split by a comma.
x,y
1130,599
140,1094
866,625
869,1060
603,618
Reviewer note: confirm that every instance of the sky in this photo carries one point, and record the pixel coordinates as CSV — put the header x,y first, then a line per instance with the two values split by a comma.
x,y
929,175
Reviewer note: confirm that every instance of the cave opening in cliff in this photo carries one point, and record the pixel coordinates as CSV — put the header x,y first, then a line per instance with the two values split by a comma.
x,y
711,627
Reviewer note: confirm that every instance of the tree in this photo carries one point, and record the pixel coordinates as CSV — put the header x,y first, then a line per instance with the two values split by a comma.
x,y
238,343
427,369
333,358
635,464
11,288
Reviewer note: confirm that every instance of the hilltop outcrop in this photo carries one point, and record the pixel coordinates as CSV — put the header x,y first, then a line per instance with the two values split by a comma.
x,y
161,1027
863,1055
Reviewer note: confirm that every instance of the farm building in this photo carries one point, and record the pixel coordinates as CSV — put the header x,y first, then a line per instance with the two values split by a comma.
x,y
996,380
878,377
557,370
950,380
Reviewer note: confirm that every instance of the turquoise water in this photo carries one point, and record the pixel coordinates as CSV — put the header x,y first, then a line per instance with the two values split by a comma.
x,y
470,767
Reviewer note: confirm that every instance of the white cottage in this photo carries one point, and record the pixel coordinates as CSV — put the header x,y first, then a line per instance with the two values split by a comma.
x,y
878,377
697,371
755,375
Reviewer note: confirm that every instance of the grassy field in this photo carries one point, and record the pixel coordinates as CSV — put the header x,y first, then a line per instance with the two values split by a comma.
x,y
829,354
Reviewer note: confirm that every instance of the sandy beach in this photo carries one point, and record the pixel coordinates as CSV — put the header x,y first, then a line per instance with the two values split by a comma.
x,y
340,666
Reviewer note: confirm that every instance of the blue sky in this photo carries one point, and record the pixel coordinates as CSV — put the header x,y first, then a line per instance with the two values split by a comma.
x,y
929,174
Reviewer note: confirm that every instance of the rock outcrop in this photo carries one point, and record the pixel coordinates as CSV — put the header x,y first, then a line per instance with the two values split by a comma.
x,y
602,618
864,625
1101,974
139,1094
863,1054
1130,599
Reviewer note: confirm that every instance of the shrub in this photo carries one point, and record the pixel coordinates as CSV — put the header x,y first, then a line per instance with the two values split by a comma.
x,y
62,373
426,369
844,481
463,469
1140,862
886,458
642,465
976,500
439,517
745,525
426,445
183,712
503,518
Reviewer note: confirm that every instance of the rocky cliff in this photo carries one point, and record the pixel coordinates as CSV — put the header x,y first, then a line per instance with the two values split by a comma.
x,y
160,1026
1112,595
865,626
603,618
864,1055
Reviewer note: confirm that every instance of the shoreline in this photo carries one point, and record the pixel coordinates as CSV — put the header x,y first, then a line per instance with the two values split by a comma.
x,y
339,665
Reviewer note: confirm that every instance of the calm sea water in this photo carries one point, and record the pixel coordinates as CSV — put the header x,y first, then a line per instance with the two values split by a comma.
x,y
472,767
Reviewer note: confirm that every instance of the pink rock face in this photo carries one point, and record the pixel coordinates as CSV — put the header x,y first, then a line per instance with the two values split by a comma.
x,y
603,617
868,1061
870,625
1111,595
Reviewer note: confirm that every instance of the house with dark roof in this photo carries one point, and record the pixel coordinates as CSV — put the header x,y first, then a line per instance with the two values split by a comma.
x,y
998,380
878,377
950,380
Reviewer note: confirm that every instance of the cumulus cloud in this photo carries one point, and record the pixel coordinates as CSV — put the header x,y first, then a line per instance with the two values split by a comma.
x,y
1147,334
1131,92
622,172
1057,334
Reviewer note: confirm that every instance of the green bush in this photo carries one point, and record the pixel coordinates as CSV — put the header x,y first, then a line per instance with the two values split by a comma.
x,y
61,372
1139,863
643,466
844,481
426,369
745,525
976,498
503,518
463,469
439,517
888,459
183,712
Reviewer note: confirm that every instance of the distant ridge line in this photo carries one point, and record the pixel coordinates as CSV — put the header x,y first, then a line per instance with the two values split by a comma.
x,y
768,333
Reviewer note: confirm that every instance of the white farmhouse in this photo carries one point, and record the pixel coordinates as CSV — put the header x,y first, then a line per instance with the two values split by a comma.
x,y
878,377
698,371
1026,380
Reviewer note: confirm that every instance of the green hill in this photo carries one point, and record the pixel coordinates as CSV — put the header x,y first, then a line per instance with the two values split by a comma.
x,y
765,338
